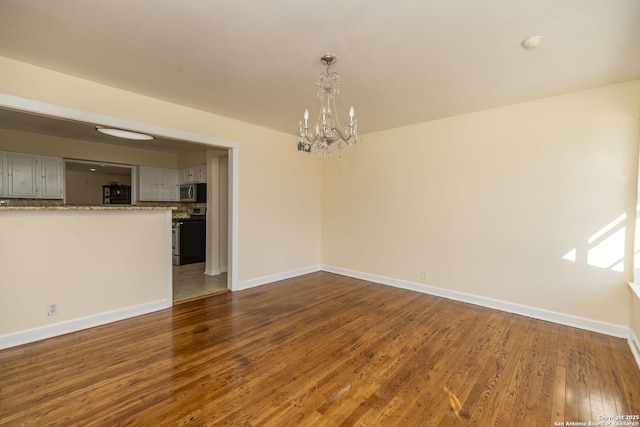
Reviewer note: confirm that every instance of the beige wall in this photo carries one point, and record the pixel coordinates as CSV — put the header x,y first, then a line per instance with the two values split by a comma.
x,y
224,213
89,262
192,158
489,203
213,214
635,314
217,213
34,143
85,188
279,206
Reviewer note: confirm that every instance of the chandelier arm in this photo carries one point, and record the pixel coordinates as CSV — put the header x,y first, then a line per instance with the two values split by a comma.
x,y
341,135
308,137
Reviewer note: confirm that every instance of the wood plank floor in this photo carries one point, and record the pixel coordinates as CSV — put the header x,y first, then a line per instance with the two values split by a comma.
x,y
320,350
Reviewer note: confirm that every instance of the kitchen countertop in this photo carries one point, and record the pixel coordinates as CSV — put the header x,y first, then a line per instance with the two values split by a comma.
x,y
86,208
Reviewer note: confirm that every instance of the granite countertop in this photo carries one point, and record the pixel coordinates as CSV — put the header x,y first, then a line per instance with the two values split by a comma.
x,y
86,208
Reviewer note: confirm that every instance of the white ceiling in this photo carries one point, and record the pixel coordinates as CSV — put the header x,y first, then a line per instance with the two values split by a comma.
x,y
402,62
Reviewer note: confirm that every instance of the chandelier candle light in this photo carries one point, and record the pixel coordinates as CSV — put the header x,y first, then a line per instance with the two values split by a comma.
x,y
328,131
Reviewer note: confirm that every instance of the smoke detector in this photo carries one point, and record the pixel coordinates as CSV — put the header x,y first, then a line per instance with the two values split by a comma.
x,y
532,42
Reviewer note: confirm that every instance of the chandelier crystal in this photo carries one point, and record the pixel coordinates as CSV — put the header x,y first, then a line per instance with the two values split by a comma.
x,y
328,134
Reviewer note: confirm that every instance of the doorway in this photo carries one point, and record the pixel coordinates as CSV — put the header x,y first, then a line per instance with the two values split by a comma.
x,y
82,123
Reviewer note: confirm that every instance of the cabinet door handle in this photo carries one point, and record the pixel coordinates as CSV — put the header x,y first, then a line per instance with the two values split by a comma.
x,y
10,174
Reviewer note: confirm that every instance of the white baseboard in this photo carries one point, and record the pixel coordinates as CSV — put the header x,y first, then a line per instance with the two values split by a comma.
x,y
216,272
252,283
43,332
536,313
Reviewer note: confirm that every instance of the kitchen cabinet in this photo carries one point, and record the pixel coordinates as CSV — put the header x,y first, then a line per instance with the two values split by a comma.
x,y
184,175
157,184
30,176
22,174
3,174
193,174
51,177
200,173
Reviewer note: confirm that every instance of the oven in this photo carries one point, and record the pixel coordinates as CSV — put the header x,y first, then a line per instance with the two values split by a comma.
x,y
188,238
175,243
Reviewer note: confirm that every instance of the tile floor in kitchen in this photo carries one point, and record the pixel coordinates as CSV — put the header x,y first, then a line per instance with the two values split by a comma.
x,y
189,281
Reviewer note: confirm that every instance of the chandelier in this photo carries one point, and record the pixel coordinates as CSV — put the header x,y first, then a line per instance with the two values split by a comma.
x,y
327,133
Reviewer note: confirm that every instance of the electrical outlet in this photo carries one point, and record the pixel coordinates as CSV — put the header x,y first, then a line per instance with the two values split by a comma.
x,y
52,309
424,275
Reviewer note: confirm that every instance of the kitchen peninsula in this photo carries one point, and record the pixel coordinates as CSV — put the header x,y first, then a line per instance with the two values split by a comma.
x,y
95,264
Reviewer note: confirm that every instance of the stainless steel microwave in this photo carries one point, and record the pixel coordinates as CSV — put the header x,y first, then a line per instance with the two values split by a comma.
x,y
193,193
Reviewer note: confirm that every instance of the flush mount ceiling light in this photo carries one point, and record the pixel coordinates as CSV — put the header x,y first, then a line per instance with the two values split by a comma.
x,y
328,132
120,133
532,42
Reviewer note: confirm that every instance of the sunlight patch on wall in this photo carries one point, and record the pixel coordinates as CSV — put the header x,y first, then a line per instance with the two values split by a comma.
x,y
571,255
607,228
605,248
609,253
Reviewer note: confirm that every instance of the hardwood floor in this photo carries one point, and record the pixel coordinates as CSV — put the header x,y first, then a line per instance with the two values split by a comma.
x,y
320,350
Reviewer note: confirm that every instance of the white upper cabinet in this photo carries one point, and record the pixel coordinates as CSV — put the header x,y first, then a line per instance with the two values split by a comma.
x,y
199,173
169,185
51,177
157,184
191,174
31,176
3,174
183,176
22,175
